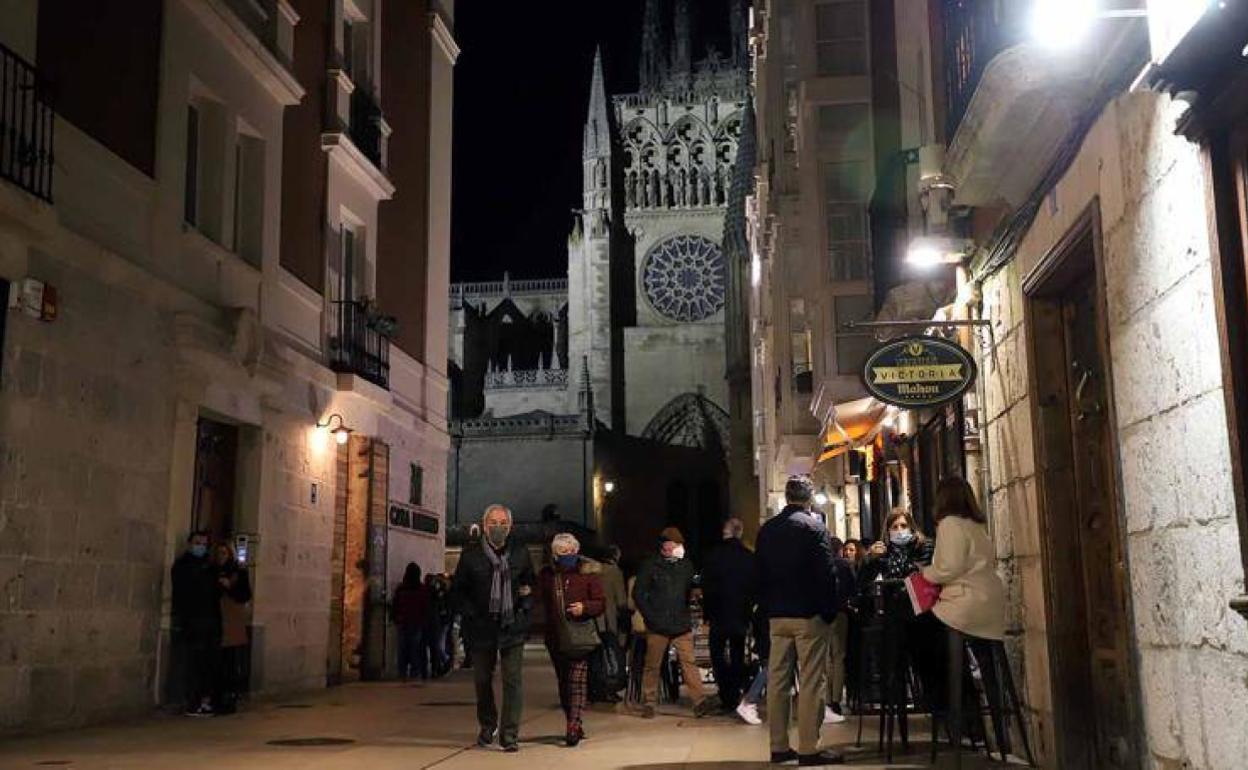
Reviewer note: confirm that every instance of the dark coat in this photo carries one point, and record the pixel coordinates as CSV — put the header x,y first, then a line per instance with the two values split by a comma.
x,y
661,594
411,605
471,590
584,584
729,587
196,601
796,573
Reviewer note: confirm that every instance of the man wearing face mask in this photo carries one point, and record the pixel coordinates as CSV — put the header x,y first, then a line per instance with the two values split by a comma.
x,y
492,585
661,593
196,609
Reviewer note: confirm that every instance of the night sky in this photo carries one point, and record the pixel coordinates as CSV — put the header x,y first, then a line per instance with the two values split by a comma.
x,y
521,91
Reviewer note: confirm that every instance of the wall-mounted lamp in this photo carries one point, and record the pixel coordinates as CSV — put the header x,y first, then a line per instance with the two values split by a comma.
x,y
608,487
342,433
929,251
821,498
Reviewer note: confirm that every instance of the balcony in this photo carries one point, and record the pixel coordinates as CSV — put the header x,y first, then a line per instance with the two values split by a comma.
x,y
1012,103
359,347
26,124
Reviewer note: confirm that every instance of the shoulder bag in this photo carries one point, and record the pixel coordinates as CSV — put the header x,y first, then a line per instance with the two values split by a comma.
x,y
577,638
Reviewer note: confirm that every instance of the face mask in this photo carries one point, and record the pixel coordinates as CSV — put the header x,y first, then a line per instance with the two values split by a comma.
x,y
199,551
567,560
901,537
497,535
678,552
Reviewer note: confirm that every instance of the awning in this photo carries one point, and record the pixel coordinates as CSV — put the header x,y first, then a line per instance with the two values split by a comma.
x,y
852,424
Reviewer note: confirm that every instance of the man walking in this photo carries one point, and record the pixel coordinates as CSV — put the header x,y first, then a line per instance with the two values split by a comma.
x,y
196,606
728,588
797,589
661,594
492,584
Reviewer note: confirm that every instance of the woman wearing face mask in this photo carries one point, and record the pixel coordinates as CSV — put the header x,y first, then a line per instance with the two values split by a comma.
x,y
571,590
907,551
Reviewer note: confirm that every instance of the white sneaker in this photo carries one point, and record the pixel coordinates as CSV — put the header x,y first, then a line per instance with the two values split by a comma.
x,y
748,713
830,717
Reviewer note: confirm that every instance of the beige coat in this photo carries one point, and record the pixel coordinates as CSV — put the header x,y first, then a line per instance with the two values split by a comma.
x,y
616,595
972,597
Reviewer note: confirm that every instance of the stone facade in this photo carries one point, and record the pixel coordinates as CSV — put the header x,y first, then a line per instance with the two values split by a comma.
x,y
1178,507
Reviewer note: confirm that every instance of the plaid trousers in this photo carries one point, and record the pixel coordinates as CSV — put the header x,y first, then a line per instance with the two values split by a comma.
x,y
573,678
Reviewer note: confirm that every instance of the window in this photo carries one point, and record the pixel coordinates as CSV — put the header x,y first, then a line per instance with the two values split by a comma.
x,y
356,48
841,38
845,216
852,347
800,347
845,130
249,198
416,484
190,200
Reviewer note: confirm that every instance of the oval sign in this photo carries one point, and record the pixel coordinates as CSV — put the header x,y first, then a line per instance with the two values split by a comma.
x,y
918,371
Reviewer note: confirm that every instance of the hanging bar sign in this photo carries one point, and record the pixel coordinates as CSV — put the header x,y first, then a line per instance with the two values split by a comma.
x,y
918,371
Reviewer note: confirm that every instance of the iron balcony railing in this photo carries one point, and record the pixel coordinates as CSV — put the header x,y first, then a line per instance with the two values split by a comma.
x,y
365,128
359,348
975,32
26,123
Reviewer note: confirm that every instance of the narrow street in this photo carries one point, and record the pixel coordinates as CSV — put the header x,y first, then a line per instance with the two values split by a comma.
x,y
392,725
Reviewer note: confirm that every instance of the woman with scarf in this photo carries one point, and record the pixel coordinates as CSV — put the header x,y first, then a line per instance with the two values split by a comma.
x,y
492,585
571,590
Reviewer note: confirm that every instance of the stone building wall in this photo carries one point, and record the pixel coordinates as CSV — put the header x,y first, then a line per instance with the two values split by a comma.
x,y
85,415
1182,547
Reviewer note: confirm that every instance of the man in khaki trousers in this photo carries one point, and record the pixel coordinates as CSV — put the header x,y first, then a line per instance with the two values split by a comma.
x,y
797,590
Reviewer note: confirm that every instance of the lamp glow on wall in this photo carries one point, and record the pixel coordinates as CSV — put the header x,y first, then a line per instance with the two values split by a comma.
x,y
930,251
342,433
1065,23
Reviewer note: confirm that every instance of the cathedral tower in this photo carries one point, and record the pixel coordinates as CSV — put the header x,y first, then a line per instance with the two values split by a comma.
x,y
590,328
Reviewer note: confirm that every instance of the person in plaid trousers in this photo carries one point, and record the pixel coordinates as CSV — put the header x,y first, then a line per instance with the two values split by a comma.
x,y
576,581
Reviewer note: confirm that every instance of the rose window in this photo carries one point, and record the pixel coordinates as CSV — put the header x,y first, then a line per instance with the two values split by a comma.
x,y
683,278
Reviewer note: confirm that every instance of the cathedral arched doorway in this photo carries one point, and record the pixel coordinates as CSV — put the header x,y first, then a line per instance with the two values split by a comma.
x,y
691,420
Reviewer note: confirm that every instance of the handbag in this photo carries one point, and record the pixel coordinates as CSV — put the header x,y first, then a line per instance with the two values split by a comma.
x,y
577,638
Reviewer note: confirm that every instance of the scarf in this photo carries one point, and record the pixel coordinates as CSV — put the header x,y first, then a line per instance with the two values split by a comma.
x,y
500,586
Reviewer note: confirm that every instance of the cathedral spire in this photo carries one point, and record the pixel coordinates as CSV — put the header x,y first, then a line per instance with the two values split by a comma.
x,y
597,129
653,57
682,39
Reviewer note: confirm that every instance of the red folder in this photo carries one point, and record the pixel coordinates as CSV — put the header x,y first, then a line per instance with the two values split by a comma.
x,y
923,593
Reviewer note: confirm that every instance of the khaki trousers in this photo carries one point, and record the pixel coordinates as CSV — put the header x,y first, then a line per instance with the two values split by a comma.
x,y
656,653
800,642
838,643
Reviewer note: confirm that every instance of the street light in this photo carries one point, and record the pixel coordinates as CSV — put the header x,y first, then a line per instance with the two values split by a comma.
x,y
821,499
342,433
608,487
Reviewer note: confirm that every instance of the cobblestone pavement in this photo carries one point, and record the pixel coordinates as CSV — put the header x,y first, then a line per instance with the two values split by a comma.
x,y
393,725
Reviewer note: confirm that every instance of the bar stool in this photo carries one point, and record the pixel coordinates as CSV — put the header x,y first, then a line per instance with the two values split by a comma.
x,y
884,670
994,668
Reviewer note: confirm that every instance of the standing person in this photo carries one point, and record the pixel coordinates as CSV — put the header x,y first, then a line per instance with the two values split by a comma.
x,y
747,709
797,589
411,615
637,648
972,597
571,590
465,643
908,550
838,640
196,610
613,616
235,587
728,599
661,593
433,637
492,585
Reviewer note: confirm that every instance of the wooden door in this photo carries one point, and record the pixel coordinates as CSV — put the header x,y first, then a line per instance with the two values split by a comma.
x,y
216,460
1098,550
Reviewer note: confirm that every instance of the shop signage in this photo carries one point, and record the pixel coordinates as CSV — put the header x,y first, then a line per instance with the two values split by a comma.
x,y
918,371
410,517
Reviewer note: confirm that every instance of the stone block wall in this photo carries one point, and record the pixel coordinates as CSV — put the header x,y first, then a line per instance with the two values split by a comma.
x,y
86,414
1182,543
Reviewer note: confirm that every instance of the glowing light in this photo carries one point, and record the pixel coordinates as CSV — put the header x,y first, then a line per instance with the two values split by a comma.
x,y
608,487
342,433
1062,23
821,498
